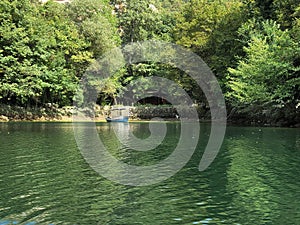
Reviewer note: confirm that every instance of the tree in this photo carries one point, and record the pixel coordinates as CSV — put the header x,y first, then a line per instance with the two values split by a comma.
x,y
281,11
223,45
209,28
285,12
141,20
96,23
41,52
267,76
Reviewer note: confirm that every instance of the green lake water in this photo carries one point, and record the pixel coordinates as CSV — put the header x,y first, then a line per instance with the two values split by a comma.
x,y
44,179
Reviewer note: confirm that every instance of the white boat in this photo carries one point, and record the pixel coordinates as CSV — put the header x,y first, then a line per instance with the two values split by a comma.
x,y
118,114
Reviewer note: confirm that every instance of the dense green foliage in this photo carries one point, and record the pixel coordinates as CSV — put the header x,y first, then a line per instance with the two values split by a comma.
x,y
43,52
252,46
267,74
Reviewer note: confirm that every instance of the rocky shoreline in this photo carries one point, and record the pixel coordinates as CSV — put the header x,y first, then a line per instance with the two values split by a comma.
x,y
53,113
50,112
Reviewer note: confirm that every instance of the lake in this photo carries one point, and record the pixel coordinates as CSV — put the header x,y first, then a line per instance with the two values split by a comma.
x,y
44,179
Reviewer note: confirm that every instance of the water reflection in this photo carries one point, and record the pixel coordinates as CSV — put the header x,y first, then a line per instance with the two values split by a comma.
x,y
132,137
262,174
44,178
124,148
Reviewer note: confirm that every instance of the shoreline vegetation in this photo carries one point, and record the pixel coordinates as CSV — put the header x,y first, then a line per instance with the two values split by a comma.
x,y
142,113
251,46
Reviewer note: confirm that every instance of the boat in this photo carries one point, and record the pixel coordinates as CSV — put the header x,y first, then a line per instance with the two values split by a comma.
x,y
117,119
118,114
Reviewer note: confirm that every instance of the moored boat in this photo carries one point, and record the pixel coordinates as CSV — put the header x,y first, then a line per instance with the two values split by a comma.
x,y
118,114
117,119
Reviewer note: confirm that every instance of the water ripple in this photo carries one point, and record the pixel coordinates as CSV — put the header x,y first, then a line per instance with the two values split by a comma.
x,y
45,180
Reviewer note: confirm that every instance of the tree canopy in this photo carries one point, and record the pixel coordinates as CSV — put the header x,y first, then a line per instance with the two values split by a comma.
x,y
252,46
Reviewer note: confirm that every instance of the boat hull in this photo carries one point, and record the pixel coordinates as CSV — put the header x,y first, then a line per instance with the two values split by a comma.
x,y
117,119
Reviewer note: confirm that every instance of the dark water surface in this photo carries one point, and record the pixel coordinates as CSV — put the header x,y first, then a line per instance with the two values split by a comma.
x,y
44,179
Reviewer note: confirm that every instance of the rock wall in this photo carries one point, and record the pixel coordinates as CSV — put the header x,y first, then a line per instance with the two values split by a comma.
x,y
162,111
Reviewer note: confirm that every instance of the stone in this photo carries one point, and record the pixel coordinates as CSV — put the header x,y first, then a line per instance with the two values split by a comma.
x,y
3,118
